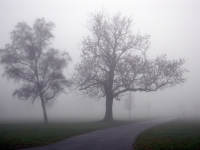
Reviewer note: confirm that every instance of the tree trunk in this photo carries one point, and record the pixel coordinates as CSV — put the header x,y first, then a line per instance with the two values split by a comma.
x,y
44,110
109,95
129,114
109,113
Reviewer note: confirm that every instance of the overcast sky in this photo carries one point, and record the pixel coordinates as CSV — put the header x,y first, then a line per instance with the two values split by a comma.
x,y
174,26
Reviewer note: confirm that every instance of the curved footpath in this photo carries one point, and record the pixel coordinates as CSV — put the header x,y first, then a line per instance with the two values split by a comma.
x,y
116,138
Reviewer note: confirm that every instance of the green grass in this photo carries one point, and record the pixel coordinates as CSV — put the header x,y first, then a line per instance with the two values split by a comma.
x,y
175,135
14,136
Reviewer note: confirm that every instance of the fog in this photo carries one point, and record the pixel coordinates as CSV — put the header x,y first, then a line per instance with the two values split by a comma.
x,y
174,27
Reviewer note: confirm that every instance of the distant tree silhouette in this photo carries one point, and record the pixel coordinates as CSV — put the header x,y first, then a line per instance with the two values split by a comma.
x,y
149,109
129,103
182,108
30,59
114,61
197,106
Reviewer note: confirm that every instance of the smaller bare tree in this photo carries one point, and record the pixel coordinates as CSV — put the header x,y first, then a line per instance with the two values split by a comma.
x,y
30,61
129,104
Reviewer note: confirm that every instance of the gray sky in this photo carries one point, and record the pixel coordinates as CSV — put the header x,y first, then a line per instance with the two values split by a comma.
x,y
174,27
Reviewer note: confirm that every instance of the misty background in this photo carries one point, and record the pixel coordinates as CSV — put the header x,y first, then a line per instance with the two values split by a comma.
x,y
174,27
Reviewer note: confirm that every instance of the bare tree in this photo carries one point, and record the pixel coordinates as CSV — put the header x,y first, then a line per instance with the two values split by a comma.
x,y
114,61
197,106
30,59
182,109
149,109
129,104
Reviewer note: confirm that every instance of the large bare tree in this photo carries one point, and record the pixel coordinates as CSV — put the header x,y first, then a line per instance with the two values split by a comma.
x,y
30,59
114,61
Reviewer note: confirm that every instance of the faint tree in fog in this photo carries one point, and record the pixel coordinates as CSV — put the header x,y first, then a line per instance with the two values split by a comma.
x,y
149,109
129,104
182,109
197,106
30,59
114,61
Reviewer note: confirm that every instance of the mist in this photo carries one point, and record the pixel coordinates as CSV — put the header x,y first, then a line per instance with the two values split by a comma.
x,y
174,29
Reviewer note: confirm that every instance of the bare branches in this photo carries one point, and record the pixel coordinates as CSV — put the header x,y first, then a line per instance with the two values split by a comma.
x,y
148,75
114,60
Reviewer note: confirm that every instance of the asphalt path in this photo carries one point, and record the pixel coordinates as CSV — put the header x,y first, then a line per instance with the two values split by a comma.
x,y
116,138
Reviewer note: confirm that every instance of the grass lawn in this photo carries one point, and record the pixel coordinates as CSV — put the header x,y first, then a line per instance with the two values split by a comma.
x,y
14,136
176,135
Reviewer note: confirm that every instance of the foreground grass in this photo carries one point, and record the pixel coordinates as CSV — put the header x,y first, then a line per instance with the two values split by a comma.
x,y
175,135
15,136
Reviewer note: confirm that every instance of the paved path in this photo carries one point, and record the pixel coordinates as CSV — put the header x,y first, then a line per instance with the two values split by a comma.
x,y
117,138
